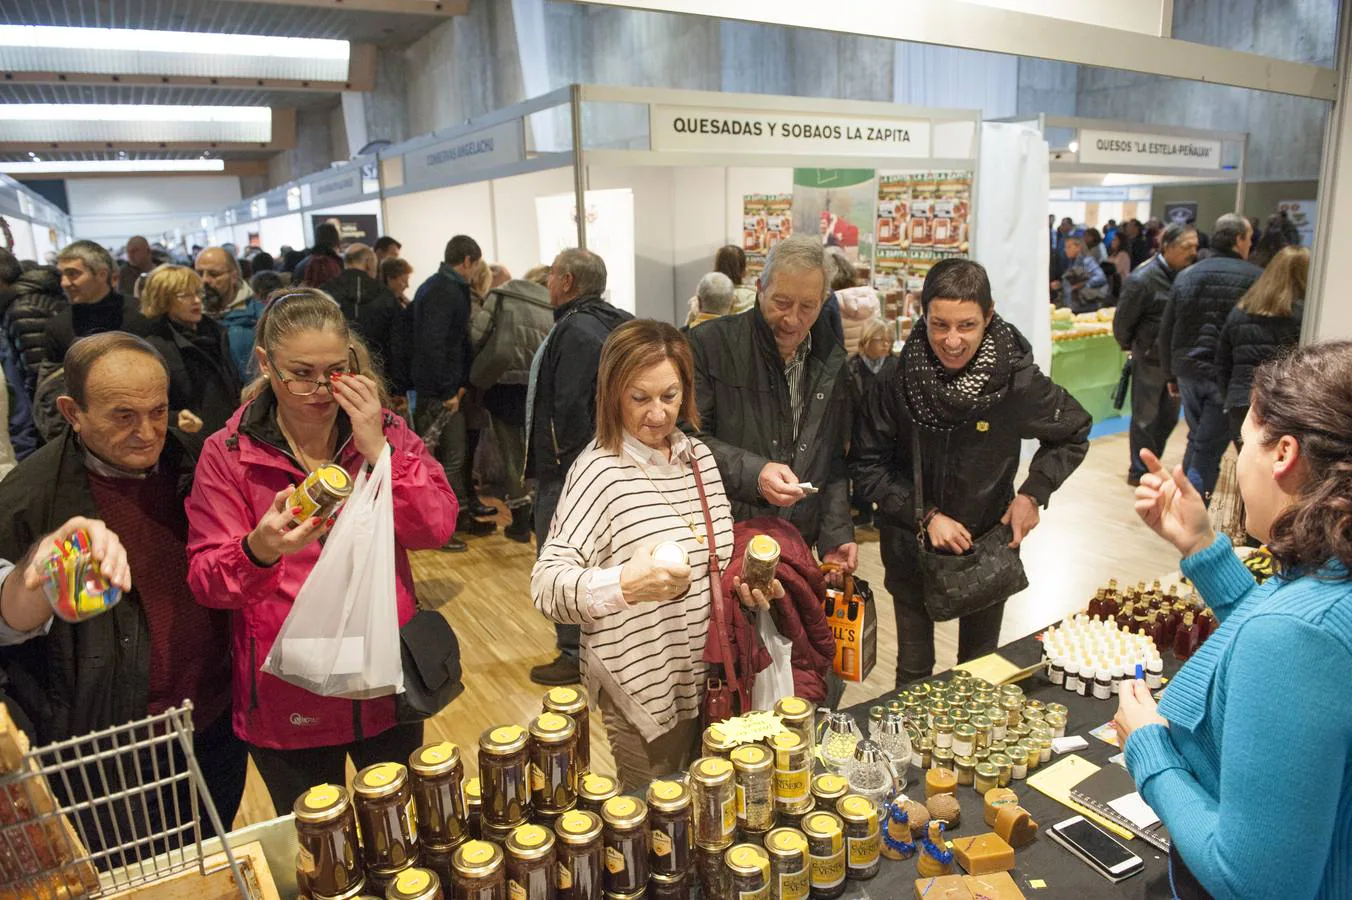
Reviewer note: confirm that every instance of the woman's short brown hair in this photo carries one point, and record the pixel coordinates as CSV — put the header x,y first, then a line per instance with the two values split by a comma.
x,y
1308,395
163,285
630,349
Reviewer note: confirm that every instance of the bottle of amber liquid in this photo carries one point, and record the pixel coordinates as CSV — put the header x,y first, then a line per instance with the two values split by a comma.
x,y
626,843
504,761
1186,640
326,832
385,815
1206,626
531,871
581,856
571,702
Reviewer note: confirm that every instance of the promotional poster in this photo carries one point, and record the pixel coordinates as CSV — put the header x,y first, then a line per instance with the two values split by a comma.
x,y
767,219
922,217
836,204
352,228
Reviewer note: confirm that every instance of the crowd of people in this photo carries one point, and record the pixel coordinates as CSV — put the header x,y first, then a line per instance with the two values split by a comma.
x,y
172,423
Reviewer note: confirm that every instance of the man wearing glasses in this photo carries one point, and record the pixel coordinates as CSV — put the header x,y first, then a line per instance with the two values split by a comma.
x,y
231,301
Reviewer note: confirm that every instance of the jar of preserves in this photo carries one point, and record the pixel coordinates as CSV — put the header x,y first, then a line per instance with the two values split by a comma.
x,y
793,772
594,790
863,839
439,862
503,761
828,788
671,839
715,883
378,884
987,777
389,832
474,807
479,872
1004,766
964,739
965,767
571,702
717,742
790,873
415,884
984,729
754,767
943,731
438,795
669,887
326,832
826,846
531,872
581,856
749,872
553,764
1012,707
798,714
714,802
626,844
942,758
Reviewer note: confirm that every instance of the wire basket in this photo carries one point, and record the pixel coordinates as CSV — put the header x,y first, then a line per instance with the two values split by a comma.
x,y
107,813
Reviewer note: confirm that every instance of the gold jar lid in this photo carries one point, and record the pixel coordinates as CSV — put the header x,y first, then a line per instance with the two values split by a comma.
x,y
668,796
334,479
414,884
1011,690
855,808
577,827
752,758
943,724
763,547
786,843
1058,708
597,788
981,722
431,760
624,812
789,741
747,860
477,859
830,787
942,753
1055,720
988,769
712,771
965,762
321,803
959,715
530,842
1011,704
667,879
715,738
380,780
552,728
793,708
503,740
1033,704
822,825
964,730
938,706
473,792
566,700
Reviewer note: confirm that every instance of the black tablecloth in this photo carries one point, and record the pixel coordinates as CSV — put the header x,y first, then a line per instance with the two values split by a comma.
x,y
1044,859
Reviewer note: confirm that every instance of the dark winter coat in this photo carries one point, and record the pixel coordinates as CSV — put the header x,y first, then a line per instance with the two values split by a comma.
x,y
1145,293
34,299
203,377
113,313
563,422
865,381
1247,341
747,421
441,345
1202,298
370,308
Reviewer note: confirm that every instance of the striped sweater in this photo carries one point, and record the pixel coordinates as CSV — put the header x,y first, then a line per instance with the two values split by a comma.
x,y
649,658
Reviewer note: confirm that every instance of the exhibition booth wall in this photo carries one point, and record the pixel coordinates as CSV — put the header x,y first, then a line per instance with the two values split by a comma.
x,y
33,227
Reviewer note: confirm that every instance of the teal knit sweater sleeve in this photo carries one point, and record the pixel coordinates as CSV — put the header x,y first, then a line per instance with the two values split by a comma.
x,y
1281,763
1219,576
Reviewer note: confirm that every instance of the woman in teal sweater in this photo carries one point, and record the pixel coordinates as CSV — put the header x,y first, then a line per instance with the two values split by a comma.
x,y
1248,758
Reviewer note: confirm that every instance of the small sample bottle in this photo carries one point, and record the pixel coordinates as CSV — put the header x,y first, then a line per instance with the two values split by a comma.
x,y
1072,679
1154,673
1103,685
1056,671
1187,638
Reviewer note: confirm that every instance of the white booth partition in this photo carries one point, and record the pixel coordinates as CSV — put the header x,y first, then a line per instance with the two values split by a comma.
x,y
286,230
346,196
35,226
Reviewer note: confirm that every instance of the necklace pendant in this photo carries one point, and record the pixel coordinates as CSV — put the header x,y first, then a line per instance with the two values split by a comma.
x,y
700,538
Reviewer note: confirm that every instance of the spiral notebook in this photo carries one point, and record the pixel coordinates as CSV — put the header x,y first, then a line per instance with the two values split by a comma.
x,y
1111,793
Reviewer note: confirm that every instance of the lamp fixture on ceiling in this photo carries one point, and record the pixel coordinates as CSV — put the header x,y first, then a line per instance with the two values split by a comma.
x,y
37,166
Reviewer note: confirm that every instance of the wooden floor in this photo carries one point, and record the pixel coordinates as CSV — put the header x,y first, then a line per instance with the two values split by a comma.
x,y
1088,535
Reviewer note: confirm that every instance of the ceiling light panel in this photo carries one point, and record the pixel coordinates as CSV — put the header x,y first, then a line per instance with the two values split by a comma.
x,y
110,166
130,123
103,51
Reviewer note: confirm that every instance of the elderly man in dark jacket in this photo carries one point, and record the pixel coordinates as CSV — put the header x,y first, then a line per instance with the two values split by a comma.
x,y
967,394
1189,334
775,400
1145,293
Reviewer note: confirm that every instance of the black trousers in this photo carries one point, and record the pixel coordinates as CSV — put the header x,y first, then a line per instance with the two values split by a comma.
x,y
1154,414
290,773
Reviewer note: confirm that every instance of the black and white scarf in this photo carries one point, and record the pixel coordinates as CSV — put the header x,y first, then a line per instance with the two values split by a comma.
x,y
942,400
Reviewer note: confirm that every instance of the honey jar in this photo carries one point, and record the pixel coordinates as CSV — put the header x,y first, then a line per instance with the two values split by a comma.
x,y
480,872
474,806
793,772
828,788
553,764
790,872
581,856
503,779
826,846
986,777
669,887
798,714
415,884
531,871
438,795
715,882
571,702
326,832
863,839
748,871
754,769
717,742
714,802
385,815
965,766
625,833
594,790
670,832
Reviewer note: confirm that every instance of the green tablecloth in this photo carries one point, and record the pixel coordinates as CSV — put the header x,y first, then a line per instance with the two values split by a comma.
x,y
1090,369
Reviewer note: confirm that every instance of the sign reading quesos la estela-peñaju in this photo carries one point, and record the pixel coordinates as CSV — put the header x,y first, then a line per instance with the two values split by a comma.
x,y
688,128
1154,150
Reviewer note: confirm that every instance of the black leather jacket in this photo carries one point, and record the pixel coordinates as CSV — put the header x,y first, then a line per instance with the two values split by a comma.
x,y
1140,309
1203,296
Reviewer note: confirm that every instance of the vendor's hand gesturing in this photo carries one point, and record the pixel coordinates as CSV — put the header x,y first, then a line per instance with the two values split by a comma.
x,y
1022,516
360,399
1173,509
188,421
1135,709
756,599
274,536
949,534
647,580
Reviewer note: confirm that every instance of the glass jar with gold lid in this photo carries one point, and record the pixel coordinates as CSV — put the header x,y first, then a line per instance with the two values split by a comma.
x,y
594,790
671,840
415,884
553,764
438,795
504,760
531,872
714,802
480,871
581,856
625,834
386,817
754,768
571,702
749,868
326,832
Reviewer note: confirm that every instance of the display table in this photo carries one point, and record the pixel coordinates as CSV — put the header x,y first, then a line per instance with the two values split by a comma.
x,y
1090,368
1044,859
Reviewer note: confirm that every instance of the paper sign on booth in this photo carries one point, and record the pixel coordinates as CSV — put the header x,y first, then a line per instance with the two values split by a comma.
x,y
707,129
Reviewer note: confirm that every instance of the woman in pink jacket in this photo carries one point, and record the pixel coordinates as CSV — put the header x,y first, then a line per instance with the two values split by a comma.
x,y
309,407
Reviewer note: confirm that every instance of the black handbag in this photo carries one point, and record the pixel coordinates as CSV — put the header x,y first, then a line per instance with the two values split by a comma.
x,y
1123,383
957,585
431,657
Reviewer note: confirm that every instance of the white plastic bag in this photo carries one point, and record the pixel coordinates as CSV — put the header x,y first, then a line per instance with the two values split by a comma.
x,y
775,681
341,638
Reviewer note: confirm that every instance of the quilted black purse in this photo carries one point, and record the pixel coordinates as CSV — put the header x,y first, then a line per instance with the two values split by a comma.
x,y
957,585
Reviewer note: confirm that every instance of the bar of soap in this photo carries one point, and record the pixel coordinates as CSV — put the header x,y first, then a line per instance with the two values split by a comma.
x,y
945,808
940,781
1015,826
944,887
996,798
983,854
995,886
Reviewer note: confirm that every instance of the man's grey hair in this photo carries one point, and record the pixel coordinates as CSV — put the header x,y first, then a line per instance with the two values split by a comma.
x,y
800,253
94,256
229,257
715,294
1230,230
1173,233
588,271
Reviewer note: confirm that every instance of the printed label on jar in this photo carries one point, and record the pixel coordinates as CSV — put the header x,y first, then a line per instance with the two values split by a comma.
x,y
661,843
741,802
864,851
564,879
730,815
614,861
795,886
537,777
828,871
411,821
793,786
762,894
516,891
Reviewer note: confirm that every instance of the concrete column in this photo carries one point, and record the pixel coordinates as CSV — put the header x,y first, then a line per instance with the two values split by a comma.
x,y
1328,309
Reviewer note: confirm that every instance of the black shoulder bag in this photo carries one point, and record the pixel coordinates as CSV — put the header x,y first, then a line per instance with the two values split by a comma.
x,y
958,585
431,658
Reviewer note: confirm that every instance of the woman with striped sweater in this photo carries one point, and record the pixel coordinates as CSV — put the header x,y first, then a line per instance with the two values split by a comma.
x,y
644,621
